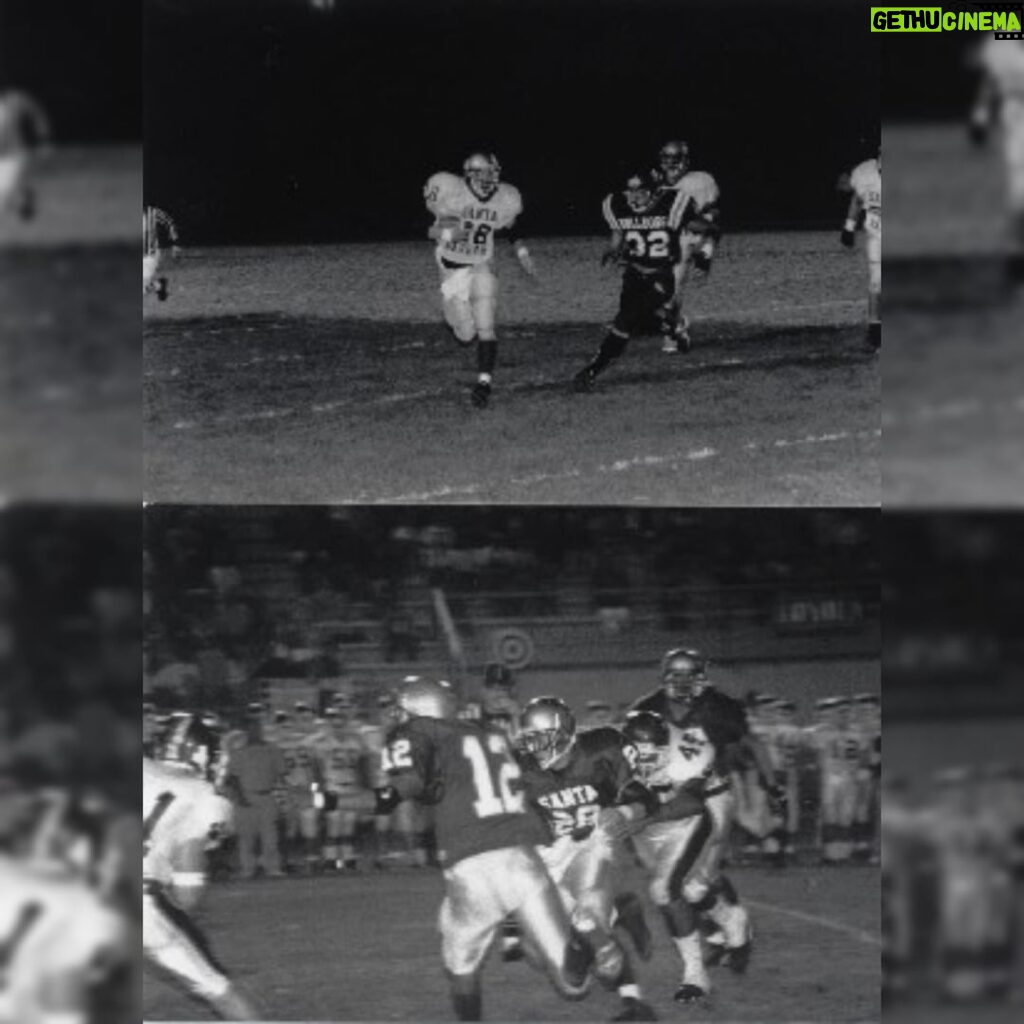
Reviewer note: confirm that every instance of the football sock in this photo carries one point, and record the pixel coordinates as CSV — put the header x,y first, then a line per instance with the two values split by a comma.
x,y
611,348
486,357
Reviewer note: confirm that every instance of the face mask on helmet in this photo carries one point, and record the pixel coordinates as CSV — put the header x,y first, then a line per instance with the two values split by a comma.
x,y
647,736
639,193
683,674
674,161
483,172
547,730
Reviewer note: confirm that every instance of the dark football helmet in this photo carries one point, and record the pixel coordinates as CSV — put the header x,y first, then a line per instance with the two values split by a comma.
x,y
683,673
189,741
647,737
547,730
673,161
499,676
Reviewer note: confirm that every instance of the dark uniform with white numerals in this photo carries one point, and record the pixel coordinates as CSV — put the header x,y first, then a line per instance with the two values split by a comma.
x,y
486,837
651,248
580,858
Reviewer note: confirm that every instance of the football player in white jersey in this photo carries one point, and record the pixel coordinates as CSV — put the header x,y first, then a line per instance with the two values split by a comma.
x,y
60,941
701,229
468,212
1001,95
866,204
24,129
184,816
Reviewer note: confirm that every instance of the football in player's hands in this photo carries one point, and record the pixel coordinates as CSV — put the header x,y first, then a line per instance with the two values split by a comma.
x,y
846,238
447,228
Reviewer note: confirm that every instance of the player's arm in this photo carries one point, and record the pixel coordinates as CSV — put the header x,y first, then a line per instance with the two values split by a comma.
x,y
616,241
853,214
514,236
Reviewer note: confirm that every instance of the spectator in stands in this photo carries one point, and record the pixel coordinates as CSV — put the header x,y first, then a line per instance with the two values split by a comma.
x,y
255,771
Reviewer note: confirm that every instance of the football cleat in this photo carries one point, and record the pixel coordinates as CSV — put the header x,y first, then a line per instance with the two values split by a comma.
x,y
480,394
635,1009
547,730
584,381
737,958
483,174
689,993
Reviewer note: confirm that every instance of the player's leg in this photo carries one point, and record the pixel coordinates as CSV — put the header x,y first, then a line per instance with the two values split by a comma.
x,y
669,852
874,253
171,940
245,824
614,343
456,305
150,266
484,302
15,195
1013,143
267,814
590,881
310,823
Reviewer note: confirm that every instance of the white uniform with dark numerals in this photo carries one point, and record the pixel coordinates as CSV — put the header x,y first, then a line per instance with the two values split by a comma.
x,y
178,807
55,932
702,194
866,182
468,285
684,857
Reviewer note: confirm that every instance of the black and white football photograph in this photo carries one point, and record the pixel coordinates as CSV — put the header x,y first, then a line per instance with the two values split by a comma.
x,y
526,252
511,763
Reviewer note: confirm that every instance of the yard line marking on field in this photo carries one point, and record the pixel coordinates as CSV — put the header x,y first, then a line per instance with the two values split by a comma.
x,y
673,460
860,934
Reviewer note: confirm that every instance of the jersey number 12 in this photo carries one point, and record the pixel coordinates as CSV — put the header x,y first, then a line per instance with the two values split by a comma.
x,y
494,796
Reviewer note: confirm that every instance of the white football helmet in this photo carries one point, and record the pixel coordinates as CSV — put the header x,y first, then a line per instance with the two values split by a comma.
x,y
482,173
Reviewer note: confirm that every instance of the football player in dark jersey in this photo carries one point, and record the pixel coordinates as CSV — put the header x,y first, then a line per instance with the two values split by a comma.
x,y
702,728
487,836
645,223
582,785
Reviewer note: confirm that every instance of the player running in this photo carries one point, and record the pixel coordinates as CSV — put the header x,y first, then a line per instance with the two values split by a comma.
x,y
486,838
686,732
24,131
645,223
866,207
583,787
158,233
468,212
184,816
701,225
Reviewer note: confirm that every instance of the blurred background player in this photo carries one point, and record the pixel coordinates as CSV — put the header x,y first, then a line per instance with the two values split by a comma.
x,y
701,225
866,207
1000,100
468,212
158,233
295,739
184,815
500,707
645,223
486,838
840,759
866,722
341,756
24,131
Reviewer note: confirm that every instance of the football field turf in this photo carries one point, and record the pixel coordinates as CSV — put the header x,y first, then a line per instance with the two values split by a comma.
x,y
366,948
324,374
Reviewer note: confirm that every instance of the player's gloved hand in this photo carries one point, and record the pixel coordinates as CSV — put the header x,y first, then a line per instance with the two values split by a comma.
x,y
610,256
526,262
846,238
978,128
702,262
386,799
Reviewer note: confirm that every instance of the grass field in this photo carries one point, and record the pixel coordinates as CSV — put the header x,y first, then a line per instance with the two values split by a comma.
x,y
324,374
953,398
70,368
365,948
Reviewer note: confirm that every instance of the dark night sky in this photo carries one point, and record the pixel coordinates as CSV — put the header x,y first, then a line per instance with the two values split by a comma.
x,y
267,123
81,59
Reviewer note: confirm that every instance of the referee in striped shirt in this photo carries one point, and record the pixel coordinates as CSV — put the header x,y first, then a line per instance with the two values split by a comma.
x,y
158,232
